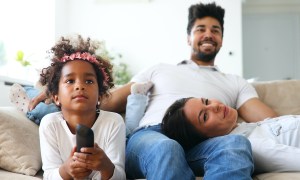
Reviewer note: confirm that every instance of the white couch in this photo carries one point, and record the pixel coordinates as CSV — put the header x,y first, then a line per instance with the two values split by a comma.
x,y
19,142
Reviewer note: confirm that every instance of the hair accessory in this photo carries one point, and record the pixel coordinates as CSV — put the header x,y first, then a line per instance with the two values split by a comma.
x,y
87,57
78,55
105,76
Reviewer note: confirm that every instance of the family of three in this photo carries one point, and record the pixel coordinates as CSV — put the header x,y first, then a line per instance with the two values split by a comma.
x,y
162,142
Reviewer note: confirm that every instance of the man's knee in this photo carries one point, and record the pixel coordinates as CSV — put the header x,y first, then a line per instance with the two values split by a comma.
x,y
238,141
169,147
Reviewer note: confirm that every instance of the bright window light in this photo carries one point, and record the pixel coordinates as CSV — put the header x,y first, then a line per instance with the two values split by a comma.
x,y
26,26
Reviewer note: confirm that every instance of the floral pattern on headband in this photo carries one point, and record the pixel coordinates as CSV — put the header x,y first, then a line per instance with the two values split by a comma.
x,y
78,55
87,57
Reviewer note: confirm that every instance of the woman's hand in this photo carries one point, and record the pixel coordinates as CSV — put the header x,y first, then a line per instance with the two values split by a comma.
x,y
95,159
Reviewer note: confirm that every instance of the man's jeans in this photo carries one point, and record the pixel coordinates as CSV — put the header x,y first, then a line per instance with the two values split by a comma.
x,y
152,155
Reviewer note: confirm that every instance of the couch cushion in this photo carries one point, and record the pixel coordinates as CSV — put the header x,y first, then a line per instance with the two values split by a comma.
x,y
281,95
19,143
278,176
6,175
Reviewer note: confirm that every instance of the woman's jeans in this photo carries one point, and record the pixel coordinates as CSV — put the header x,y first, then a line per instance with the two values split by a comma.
x,y
152,155
41,109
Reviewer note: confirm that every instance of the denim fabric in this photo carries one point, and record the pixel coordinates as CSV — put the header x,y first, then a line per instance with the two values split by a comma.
x,y
223,157
151,155
135,109
41,109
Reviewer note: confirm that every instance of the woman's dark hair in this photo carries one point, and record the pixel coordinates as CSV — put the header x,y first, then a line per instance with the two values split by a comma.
x,y
198,11
50,76
176,126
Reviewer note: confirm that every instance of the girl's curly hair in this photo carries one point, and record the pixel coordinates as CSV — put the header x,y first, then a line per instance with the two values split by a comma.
x,y
50,75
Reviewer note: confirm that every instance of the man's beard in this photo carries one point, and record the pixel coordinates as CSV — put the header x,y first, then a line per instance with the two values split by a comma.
x,y
206,57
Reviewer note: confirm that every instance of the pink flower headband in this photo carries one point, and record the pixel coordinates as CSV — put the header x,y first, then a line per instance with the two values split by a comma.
x,y
78,55
87,57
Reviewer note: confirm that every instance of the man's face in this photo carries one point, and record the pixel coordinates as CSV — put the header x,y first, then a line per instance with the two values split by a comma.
x,y
205,40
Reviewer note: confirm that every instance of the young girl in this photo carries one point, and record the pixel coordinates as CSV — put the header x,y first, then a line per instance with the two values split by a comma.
x,y
77,80
275,141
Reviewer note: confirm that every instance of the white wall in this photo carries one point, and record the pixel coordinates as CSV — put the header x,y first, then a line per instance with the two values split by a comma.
x,y
27,26
148,33
271,39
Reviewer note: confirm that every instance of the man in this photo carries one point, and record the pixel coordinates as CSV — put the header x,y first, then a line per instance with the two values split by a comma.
x,y
152,155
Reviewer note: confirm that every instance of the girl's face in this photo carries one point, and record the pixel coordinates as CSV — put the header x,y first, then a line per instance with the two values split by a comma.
x,y
78,87
210,117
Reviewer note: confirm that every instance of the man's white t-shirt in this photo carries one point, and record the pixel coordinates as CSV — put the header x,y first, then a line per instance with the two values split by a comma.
x,y
187,79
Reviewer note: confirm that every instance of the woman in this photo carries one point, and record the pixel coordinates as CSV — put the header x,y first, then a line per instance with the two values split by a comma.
x,y
275,141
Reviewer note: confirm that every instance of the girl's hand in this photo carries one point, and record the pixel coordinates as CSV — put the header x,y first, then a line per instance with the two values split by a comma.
x,y
95,159
72,169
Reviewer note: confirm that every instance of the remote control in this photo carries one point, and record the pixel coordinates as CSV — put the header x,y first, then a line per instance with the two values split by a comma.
x,y
84,137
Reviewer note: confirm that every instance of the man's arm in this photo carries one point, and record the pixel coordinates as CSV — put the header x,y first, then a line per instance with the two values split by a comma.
x,y
116,102
255,110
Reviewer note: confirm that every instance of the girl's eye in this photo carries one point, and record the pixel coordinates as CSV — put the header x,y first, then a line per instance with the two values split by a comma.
x,y
69,81
89,81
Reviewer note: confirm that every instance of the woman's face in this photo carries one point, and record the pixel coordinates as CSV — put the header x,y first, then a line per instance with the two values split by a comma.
x,y
210,117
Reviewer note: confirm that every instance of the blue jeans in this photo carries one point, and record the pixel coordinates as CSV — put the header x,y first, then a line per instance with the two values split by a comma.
x,y
135,110
152,155
41,109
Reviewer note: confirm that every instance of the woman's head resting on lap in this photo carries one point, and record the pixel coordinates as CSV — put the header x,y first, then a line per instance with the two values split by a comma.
x,y
193,120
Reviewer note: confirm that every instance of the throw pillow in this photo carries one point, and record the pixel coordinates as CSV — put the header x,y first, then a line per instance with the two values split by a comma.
x,y
19,143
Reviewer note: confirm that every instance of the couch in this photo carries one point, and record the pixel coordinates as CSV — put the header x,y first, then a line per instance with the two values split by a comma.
x,y
19,141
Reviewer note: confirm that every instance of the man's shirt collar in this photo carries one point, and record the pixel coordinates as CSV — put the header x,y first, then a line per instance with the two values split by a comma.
x,y
186,62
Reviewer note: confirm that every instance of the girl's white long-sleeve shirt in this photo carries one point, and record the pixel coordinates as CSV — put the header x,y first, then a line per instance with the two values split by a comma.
x,y
57,141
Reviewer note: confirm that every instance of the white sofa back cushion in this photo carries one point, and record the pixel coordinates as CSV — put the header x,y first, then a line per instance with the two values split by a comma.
x,y
19,143
281,95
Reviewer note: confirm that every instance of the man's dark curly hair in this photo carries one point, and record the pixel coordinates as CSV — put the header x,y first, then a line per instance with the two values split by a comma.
x,y
50,75
198,11
176,126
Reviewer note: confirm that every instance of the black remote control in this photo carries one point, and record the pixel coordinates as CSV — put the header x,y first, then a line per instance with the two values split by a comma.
x,y
84,137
